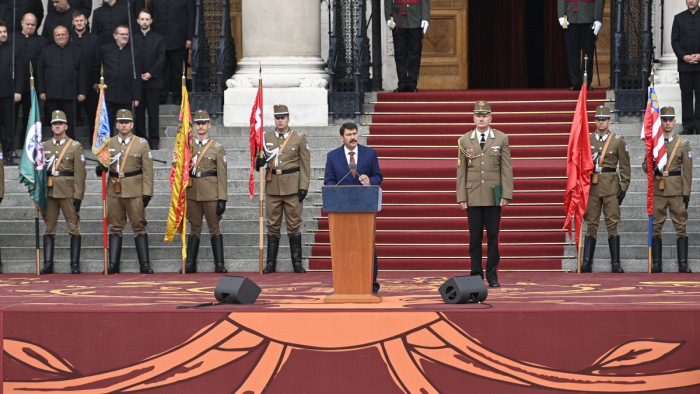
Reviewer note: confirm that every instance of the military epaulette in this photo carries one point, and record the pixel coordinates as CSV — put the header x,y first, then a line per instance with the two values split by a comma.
x,y
617,137
75,143
142,140
683,141
218,144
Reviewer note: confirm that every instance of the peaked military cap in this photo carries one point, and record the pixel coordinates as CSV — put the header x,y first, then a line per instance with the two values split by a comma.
x,y
124,115
58,116
602,112
201,116
668,112
280,110
482,107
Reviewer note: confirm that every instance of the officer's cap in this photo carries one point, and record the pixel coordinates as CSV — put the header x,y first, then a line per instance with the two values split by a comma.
x,y
482,107
58,116
668,113
124,115
602,112
280,110
201,116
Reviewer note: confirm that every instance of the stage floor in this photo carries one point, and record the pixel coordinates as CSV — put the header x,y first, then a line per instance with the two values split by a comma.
x,y
539,333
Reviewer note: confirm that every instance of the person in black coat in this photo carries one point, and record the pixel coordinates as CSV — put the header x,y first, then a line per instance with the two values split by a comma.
x,y
61,78
88,44
10,90
108,16
6,16
174,19
150,48
76,5
685,41
61,15
23,7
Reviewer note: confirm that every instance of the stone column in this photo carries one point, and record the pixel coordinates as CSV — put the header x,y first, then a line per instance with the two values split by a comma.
x,y
284,38
666,73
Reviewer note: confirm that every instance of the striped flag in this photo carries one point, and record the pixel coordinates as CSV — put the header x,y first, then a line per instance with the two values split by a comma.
x,y
100,136
31,166
256,136
652,135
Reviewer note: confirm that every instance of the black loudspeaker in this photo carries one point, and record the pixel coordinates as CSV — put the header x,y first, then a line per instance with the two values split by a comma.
x,y
463,290
236,290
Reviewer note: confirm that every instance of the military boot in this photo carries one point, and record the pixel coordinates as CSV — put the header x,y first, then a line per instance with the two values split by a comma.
x,y
656,255
217,249
75,241
115,253
48,254
614,244
295,247
192,252
682,245
273,244
588,252
142,253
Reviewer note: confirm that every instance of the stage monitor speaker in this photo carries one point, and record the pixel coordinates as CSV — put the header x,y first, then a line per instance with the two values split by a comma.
x,y
236,290
463,290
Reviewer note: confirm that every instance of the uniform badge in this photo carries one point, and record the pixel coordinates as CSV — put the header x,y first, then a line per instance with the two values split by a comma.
x,y
150,155
470,151
626,148
496,149
269,143
307,146
112,150
224,158
82,157
142,140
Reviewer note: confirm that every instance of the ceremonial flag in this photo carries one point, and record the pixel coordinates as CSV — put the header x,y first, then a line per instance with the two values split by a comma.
x,y
100,136
180,176
31,166
652,135
579,165
256,136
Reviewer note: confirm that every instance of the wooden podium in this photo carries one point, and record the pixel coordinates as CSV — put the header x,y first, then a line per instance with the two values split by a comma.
x,y
352,214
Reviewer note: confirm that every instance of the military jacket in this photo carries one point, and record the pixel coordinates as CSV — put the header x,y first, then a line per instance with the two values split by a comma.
x,y
478,171
682,161
210,188
415,13
578,11
73,161
139,159
295,154
610,182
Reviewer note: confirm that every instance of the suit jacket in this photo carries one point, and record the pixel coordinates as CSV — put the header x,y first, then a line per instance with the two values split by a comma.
x,y
174,19
139,159
122,88
581,11
296,154
151,50
29,48
88,45
609,182
73,161
685,38
415,13
682,161
337,167
210,188
479,171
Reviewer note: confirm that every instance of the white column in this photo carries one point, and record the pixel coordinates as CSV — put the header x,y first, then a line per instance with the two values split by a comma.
x,y
284,38
666,73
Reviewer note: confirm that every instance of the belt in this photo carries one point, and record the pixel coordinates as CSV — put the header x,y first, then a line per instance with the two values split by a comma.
x,y
608,169
287,171
205,174
61,173
670,173
126,175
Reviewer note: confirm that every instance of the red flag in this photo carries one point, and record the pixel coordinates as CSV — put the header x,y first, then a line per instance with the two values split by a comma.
x,y
655,148
579,165
256,136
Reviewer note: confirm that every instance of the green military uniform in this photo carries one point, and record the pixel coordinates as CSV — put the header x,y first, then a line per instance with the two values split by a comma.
x,y
407,14
206,193
579,36
581,11
410,21
674,196
129,188
607,193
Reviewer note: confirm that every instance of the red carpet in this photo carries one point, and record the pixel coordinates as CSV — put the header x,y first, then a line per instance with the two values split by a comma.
x,y
421,226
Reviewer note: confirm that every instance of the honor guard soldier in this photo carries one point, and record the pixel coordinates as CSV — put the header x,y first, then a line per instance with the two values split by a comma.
x,y
286,183
206,193
65,166
581,20
672,191
484,186
608,189
129,190
408,20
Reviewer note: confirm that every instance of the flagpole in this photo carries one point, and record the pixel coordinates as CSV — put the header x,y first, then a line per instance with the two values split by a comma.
x,y
262,196
650,172
36,208
584,85
105,244
182,236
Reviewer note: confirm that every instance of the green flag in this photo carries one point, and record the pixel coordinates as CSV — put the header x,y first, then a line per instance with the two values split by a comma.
x,y
31,166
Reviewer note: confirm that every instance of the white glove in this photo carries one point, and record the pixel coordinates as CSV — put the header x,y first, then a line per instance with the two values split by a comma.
x,y
390,23
424,25
596,27
562,20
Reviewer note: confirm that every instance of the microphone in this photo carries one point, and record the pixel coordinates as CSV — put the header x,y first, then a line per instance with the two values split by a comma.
x,y
353,166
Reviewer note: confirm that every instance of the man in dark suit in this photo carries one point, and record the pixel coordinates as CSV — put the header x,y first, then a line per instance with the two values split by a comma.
x,y
150,49
367,172
76,5
88,44
10,90
23,7
109,15
61,15
686,46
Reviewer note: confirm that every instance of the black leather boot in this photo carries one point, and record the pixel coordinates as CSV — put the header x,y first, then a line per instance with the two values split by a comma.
x,y
142,253
588,252
273,244
217,249
682,245
656,255
115,253
192,252
48,255
614,244
75,241
295,247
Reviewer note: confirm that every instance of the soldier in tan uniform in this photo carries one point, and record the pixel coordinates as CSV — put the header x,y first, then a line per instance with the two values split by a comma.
x,y
484,186
206,194
608,189
65,166
286,183
129,190
672,191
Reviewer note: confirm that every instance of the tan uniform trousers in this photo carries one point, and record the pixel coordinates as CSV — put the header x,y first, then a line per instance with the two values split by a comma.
x,y
118,208
72,218
611,209
207,209
290,206
679,215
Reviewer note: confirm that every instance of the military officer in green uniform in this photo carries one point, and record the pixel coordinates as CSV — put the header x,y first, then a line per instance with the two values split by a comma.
x,y
129,190
608,189
672,192
206,194
65,166
286,183
408,20
582,20
484,186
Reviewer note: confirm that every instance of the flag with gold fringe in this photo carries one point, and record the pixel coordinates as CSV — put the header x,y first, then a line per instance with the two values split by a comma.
x,y
100,136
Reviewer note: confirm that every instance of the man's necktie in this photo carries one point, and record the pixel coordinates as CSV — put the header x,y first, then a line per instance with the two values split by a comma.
x,y
352,160
666,140
483,141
